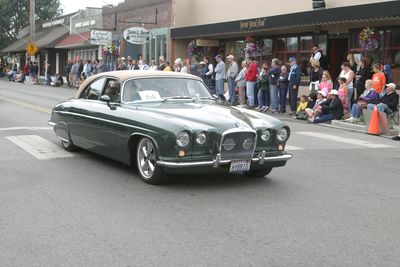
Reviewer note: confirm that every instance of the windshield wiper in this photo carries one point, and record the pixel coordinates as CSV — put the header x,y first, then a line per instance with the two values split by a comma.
x,y
177,97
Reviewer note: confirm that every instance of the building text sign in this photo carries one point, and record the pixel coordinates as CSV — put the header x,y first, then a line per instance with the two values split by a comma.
x,y
252,24
100,37
137,35
53,23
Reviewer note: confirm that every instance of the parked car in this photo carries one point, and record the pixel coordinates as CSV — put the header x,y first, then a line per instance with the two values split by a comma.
x,y
165,122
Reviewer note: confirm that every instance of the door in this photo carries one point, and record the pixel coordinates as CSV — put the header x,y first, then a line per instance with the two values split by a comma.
x,y
338,50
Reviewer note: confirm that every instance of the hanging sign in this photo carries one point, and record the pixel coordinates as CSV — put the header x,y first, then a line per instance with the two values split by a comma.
x,y
100,37
137,35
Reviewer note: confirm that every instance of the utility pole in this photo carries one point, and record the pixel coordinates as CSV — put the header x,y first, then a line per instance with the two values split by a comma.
x,y
32,19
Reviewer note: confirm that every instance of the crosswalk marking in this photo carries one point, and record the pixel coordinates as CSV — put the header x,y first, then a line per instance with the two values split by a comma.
x,y
344,140
39,147
25,128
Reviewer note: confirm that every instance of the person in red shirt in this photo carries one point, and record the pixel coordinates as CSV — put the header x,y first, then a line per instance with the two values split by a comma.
x,y
251,79
378,78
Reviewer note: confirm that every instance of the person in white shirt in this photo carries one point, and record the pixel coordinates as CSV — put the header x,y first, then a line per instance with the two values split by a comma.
x,y
153,65
316,53
219,75
232,72
143,65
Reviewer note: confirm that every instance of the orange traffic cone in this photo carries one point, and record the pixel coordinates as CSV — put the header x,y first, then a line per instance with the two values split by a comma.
x,y
374,123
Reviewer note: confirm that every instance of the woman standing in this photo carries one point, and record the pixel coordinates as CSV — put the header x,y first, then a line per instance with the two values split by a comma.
x,y
283,83
343,93
315,74
363,74
178,64
186,66
349,75
352,61
241,84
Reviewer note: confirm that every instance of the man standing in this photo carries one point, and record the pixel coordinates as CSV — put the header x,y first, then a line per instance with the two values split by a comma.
x,y
233,71
68,71
87,69
294,83
1,68
219,75
251,79
48,73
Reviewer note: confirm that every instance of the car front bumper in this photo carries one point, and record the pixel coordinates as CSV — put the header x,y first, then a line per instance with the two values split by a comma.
x,y
217,162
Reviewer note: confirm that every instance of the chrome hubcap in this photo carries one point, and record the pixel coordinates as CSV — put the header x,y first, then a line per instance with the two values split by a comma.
x,y
146,158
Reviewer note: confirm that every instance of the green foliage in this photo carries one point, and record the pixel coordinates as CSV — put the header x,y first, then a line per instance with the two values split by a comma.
x,y
14,16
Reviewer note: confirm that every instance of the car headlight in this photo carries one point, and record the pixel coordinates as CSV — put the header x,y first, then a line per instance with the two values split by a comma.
x,y
201,138
183,139
265,135
282,134
228,144
248,143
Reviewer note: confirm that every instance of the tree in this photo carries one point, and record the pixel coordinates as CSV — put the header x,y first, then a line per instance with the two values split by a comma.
x,y
14,16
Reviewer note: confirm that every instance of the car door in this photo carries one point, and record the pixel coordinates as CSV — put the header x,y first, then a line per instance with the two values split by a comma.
x,y
91,127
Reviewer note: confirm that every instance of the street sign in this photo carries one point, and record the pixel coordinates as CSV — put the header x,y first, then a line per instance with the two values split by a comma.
x,y
32,49
137,35
100,37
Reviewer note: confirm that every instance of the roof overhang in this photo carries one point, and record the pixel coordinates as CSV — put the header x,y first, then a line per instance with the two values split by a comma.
x,y
381,11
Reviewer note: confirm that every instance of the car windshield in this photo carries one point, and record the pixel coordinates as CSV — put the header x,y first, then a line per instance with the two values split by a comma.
x,y
162,89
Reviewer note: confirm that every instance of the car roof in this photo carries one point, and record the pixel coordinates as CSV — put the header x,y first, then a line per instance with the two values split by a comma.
x,y
124,75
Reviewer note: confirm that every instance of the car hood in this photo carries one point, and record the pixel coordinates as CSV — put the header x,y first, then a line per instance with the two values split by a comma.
x,y
208,116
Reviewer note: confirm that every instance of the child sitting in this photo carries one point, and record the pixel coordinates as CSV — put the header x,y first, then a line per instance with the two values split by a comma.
x,y
301,109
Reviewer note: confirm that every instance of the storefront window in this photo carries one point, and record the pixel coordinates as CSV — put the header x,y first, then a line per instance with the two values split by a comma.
x,y
292,44
281,44
235,48
306,43
392,50
322,41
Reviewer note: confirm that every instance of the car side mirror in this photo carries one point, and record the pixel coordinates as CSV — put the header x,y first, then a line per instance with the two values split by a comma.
x,y
107,99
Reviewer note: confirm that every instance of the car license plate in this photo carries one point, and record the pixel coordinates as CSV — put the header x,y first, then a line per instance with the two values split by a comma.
x,y
240,166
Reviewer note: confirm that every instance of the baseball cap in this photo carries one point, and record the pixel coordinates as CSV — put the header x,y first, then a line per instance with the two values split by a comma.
x,y
230,57
218,56
393,85
291,59
323,93
334,92
122,58
202,63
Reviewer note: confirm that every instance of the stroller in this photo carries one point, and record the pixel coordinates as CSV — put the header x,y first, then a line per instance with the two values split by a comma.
x,y
59,81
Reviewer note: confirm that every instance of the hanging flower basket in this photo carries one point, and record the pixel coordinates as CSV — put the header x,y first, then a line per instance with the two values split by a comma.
x,y
254,48
193,49
111,50
369,39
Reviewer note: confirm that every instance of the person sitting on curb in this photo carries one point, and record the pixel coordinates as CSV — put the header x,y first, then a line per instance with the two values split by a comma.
x,y
316,109
389,101
369,96
301,109
332,109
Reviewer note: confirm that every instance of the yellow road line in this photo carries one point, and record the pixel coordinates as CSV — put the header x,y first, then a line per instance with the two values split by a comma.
x,y
24,104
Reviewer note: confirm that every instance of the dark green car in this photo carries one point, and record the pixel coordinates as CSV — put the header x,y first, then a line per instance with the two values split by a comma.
x,y
166,122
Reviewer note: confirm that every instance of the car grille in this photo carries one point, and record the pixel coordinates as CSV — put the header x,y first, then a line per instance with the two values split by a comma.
x,y
237,145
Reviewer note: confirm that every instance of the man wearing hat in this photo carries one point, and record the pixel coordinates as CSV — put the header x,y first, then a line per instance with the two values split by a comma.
x,y
219,75
331,109
233,71
389,100
294,83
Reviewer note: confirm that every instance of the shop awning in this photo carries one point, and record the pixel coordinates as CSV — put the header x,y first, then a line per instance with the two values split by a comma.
x,y
75,41
47,38
387,10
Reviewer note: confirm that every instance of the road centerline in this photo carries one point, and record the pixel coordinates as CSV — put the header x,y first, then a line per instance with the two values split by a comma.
x,y
25,104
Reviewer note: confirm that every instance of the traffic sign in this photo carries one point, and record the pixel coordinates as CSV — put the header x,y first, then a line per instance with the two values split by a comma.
x,y
32,49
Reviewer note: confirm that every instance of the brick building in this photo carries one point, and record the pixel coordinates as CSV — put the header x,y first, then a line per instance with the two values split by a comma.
x,y
154,15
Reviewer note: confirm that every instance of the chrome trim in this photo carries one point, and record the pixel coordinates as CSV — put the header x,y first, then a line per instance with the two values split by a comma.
x,y
217,162
52,124
262,158
239,130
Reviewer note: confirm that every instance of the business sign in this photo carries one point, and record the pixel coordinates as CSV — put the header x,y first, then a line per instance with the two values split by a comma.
x,y
100,37
86,23
137,35
203,42
53,23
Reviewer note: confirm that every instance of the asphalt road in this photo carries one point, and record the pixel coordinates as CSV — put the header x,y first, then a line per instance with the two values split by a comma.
x,y
336,203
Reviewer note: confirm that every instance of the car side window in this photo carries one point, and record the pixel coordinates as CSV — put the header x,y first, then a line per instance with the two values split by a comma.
x,y
94,89
113,90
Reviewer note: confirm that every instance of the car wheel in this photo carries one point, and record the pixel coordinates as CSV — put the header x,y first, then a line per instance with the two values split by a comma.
x,y
258,173
146,157
67,145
